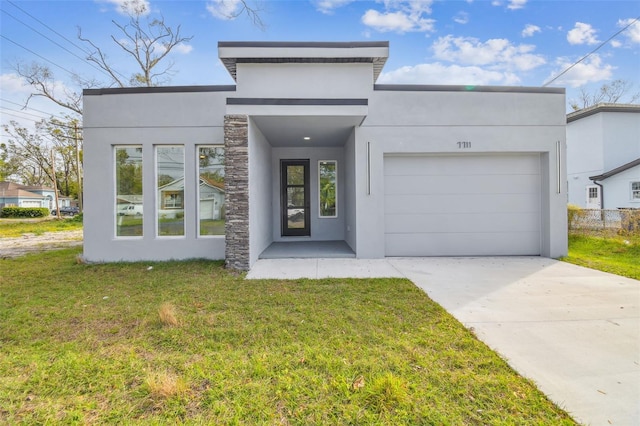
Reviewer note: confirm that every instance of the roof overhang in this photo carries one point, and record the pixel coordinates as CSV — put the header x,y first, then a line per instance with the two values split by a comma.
x,y
232,53
617,170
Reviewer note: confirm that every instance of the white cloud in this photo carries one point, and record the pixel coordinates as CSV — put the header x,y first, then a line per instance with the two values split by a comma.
x,y
588,71
498,53
12,83
615,43
633,32
224,9
437,73
461,18
131,7
582,34
530,30
401,16
328,6
516,4
183,48
513,4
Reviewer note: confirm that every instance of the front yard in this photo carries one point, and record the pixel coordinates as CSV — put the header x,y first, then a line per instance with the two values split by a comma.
x,y
192,342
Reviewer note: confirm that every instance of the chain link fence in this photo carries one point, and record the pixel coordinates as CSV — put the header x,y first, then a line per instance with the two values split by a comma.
x,y
604,222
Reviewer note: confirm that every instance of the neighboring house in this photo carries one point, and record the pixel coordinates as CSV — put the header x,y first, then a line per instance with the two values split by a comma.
x,y
14,194
310,148
603,156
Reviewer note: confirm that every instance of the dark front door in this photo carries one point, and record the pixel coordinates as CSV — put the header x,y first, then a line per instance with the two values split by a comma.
x,y
294,195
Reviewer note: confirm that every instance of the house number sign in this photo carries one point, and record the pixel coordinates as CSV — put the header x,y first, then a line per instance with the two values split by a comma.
x,y
464,144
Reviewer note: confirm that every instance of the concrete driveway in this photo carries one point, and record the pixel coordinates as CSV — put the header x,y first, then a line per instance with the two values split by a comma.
x,y
574,331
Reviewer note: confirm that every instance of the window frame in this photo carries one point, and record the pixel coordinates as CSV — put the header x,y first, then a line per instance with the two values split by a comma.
x,y
634,193
159,203
198,198
117,218
335,215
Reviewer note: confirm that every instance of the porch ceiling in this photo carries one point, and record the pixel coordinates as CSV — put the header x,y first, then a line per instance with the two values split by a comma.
x,y
285,131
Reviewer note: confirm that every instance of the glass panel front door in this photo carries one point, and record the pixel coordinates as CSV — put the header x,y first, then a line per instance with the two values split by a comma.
x,y
295,197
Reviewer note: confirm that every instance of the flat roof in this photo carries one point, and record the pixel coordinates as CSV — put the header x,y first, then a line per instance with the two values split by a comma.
x,y
232,53
602,107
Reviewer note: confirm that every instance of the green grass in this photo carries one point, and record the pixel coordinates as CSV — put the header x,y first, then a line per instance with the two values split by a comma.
x,y
618,255
17,227
191,342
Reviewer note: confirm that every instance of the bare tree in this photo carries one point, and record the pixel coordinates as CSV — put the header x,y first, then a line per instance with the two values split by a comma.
x,y
616,92
147,41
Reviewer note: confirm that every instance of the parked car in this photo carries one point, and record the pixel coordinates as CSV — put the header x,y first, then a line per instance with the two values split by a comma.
x,y
130,210
66,211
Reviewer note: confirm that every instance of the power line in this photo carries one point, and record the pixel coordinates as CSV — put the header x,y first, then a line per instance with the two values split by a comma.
x,y
39,56
55,42
590,53
33,109
83,50
34,120
48,27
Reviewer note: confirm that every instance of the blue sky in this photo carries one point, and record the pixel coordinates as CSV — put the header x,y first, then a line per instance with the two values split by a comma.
x,y
475,42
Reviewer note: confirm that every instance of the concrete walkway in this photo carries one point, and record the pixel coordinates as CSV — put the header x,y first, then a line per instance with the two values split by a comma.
x,y
574,331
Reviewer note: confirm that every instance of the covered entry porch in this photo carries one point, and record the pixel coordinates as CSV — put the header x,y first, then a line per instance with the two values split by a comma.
x,y
288,158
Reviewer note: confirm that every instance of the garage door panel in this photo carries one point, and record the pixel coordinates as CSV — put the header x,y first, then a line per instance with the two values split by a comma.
x,y
465,184
438,165
462,205
460,222
472,203
465,244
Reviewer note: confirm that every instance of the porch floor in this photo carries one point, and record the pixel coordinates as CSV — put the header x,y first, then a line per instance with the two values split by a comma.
x,y
307,249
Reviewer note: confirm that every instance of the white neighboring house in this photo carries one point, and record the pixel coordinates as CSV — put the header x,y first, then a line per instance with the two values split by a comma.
x,y
603,156
407,170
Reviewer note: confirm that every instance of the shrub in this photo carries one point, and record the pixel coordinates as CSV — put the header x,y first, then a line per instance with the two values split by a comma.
x,y
574,214
24,212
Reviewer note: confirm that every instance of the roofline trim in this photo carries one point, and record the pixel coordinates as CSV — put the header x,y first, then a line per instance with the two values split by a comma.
x,y
604,107
305,44
158,89
466,88
615,171
297,102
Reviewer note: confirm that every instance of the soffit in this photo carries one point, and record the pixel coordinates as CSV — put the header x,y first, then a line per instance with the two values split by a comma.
x,y
290,131
233,53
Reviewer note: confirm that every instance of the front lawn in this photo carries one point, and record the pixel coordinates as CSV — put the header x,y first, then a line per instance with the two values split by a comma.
x,y
11,228
618,255
192,342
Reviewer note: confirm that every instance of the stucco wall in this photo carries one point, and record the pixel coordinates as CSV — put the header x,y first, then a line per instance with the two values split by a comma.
x,y
149,119
617,189
304,80
321,228
434,122
261,199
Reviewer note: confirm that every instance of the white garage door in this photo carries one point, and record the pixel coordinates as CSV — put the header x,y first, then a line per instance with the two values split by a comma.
x,y
462,205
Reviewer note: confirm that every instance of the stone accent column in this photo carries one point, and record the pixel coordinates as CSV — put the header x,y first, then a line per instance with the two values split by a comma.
x,y
236,188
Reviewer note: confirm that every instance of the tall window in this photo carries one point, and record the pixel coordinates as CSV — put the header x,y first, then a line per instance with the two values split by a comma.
x,y
635,191
170,190
328,188
128,200
211,212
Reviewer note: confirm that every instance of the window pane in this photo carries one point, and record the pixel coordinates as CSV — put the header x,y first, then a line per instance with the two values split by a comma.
x,y
170,190
328,188
295,175
211,190
635,190
128,163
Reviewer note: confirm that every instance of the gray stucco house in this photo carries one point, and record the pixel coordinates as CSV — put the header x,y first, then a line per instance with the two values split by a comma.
x,y
307,147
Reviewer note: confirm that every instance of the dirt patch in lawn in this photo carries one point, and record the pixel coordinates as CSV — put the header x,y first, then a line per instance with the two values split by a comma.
x,y
31,243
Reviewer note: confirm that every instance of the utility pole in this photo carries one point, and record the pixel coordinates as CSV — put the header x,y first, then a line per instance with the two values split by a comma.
x,y
55,184
78,172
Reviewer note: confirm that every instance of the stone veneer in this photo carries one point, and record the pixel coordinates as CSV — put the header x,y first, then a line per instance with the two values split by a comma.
x,y
236,187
